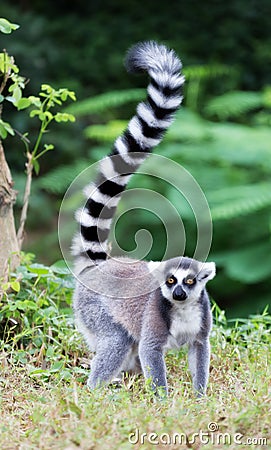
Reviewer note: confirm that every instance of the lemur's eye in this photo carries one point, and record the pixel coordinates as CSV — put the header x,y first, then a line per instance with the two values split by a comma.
x,y
190,281
171,280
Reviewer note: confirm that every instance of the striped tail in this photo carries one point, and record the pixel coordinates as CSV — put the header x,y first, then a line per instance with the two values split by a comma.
x,y
145,130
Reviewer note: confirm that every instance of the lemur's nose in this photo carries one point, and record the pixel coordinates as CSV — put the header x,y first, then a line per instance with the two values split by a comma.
x,y
179,293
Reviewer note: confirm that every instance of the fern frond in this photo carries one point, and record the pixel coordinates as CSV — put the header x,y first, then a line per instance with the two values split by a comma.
x,y
103,102
229,203
57,180
188,126
106,133
251,264
242,145
207,71
234,104
262,118
224,143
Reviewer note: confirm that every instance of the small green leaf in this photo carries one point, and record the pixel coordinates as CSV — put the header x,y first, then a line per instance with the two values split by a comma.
x,y
10,98
34,112
5,128
47,88
3,131
64,117
55,100
7,27
72,95
48,147
34,101
2,98
64,96
15,285
7,65
56,367
38,269
60,267
23,103
48,115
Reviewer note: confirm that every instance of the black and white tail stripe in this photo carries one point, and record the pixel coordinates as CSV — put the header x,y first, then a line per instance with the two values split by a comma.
x,y
145,130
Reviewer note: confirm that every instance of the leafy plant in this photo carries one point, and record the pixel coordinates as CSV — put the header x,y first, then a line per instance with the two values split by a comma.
x,y
7,27
35,319
197,75
42,107
233,105
101,103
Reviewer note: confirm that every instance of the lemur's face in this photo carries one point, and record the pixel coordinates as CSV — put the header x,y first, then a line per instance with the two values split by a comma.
x,y
183,285
186,282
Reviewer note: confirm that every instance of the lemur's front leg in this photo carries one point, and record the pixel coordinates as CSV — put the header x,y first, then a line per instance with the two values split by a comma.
x,y
199,363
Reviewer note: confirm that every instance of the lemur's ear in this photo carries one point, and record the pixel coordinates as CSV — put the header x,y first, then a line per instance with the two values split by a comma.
x,y
207,271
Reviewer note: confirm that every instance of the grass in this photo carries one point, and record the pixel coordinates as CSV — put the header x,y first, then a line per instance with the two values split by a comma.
x,y
45,403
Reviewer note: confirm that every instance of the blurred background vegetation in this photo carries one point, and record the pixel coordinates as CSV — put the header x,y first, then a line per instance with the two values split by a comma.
x,y
222,135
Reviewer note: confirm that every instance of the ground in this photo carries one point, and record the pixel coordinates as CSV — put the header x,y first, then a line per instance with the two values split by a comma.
x,y
50,412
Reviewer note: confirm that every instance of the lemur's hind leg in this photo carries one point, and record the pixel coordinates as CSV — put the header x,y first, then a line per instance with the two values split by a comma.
x,y
111,351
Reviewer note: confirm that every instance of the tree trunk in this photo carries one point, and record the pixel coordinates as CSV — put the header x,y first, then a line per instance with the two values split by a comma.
x,y
9,249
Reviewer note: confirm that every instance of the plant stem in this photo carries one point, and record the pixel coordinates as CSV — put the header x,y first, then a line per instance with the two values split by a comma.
x,y
27,191
42,129
5,75
29,172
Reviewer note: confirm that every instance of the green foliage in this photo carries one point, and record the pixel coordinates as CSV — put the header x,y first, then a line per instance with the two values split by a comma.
x,y
7,27
106,133
233,202
58,180
241,332
35,319
41,107
5,129
101,103
247,265
234,104
197,75
93,52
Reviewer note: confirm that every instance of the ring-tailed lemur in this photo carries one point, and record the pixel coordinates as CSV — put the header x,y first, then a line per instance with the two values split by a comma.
x,y
130,312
